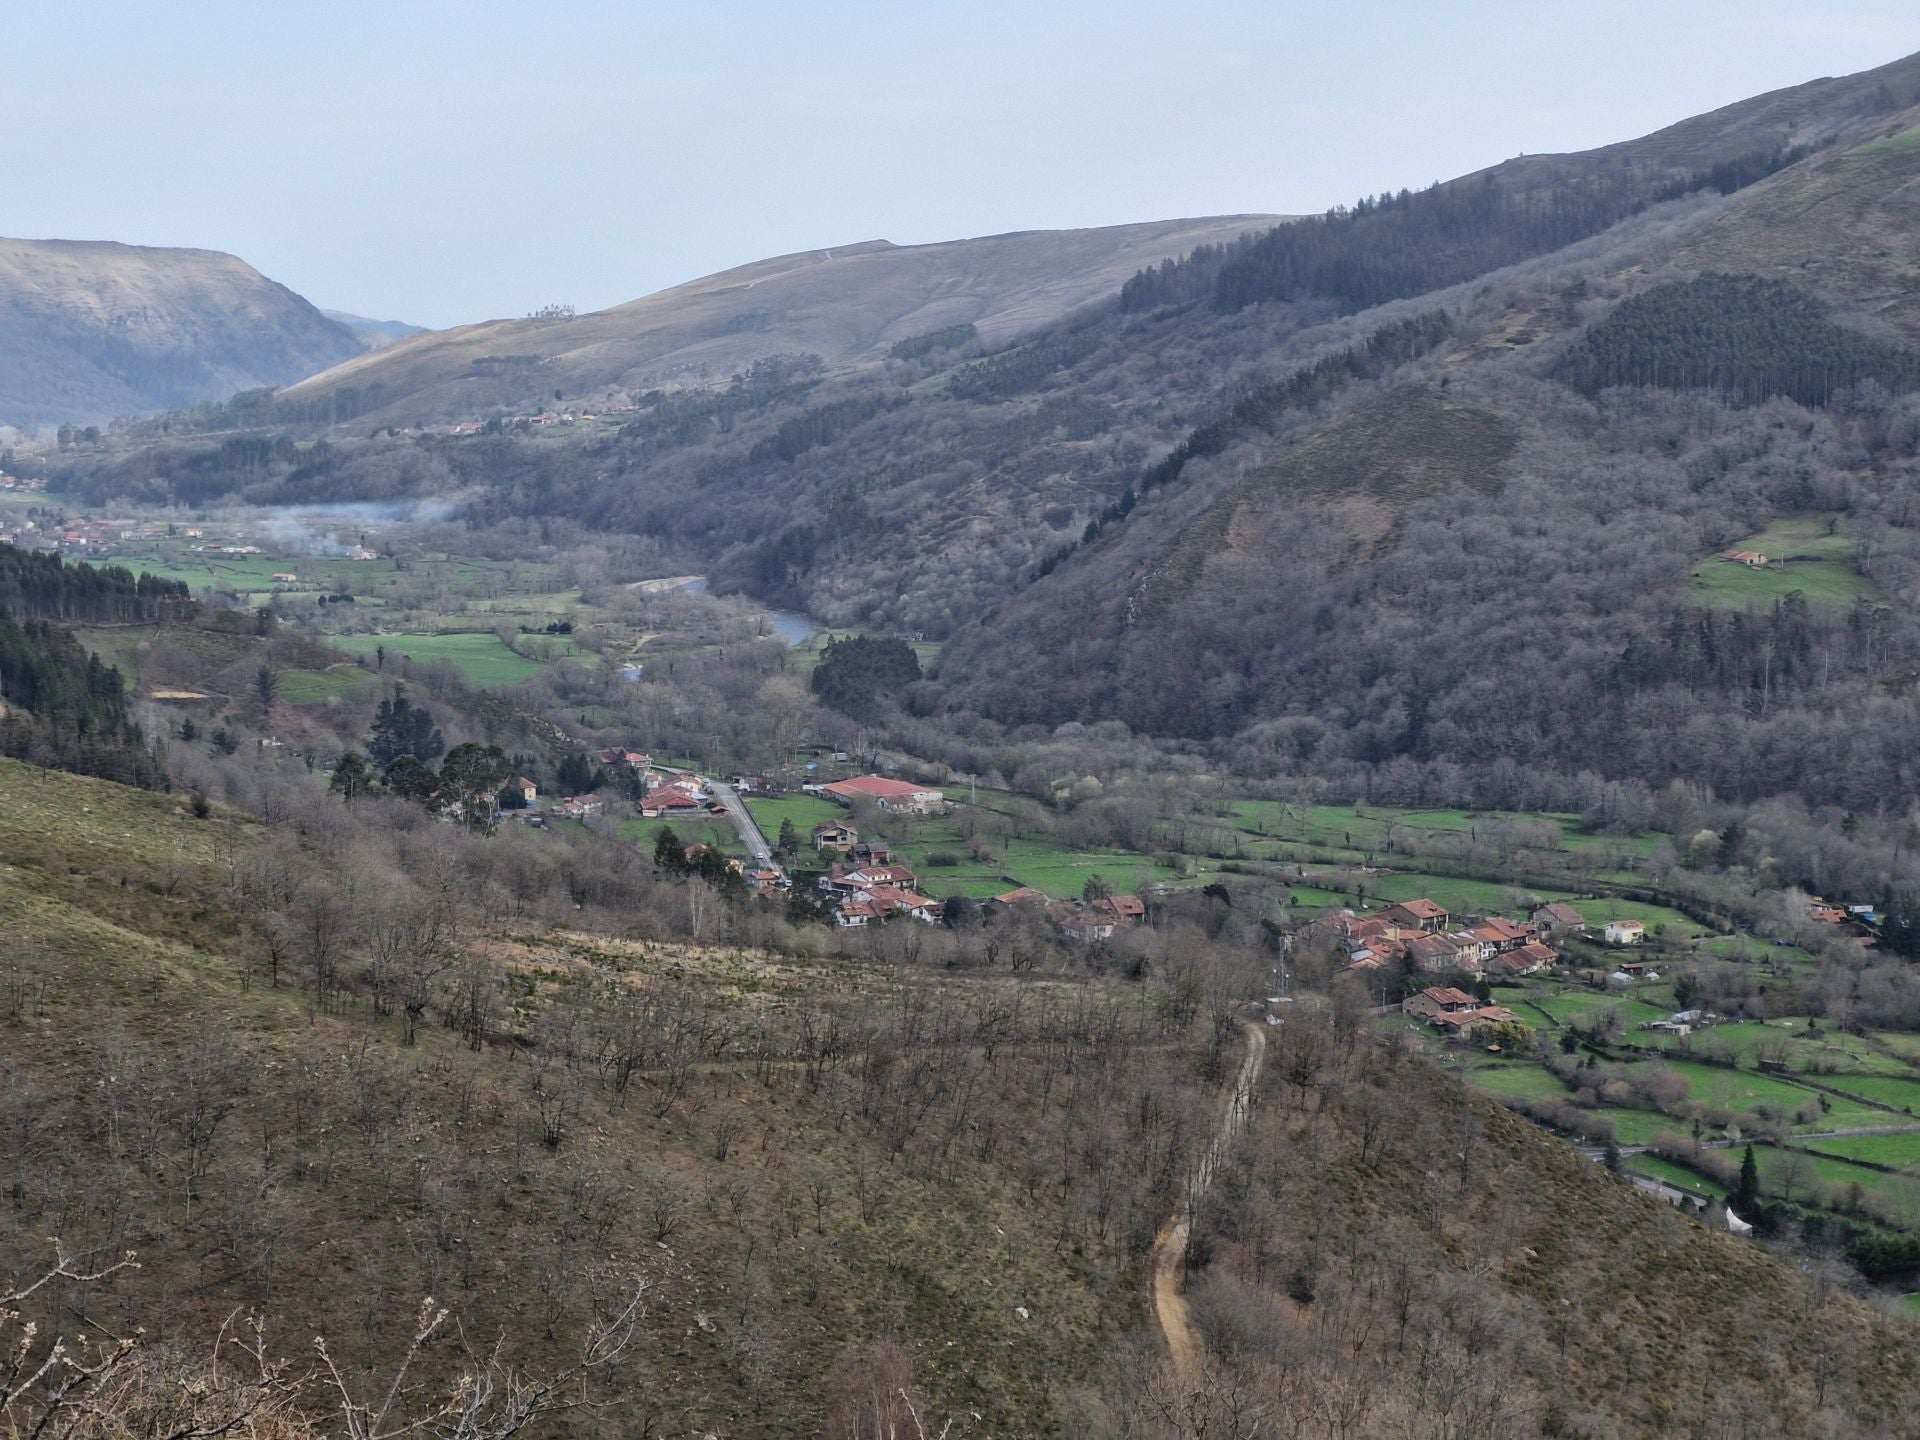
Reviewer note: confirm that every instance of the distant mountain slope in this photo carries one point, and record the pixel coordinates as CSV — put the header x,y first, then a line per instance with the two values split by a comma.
x,y
1840,224
374,332
843,303
93,330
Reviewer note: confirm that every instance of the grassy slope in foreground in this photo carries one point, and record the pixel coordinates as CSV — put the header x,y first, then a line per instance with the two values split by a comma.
x,y
112,901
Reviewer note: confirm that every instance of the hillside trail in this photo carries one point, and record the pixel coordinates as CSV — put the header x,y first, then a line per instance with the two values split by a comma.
x,y
1170,1245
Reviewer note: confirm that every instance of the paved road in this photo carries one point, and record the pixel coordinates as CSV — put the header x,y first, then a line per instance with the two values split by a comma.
x,y
743,821
749,830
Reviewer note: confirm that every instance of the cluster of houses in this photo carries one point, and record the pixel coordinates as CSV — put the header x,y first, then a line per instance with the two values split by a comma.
x,y
1451,1011
1861,922
21,484
1423,933
1084,921
79,537
867,886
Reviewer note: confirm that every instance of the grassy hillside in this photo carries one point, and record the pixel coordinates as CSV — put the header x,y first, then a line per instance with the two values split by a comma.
x,y
90,331
280,1148
843,303
1838,224
1428,1257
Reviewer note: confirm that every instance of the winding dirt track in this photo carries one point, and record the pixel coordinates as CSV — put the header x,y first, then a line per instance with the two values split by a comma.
x,y
1170,1245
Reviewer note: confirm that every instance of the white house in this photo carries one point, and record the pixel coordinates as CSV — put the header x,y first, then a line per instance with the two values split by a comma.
x,y
1625,932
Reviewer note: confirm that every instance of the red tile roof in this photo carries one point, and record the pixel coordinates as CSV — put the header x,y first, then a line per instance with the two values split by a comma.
x,y
878,787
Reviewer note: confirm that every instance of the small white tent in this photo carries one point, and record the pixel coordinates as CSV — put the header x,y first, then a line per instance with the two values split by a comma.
x,y
1737,1226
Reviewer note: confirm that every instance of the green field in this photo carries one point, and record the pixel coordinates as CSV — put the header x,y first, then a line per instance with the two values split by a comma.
x,y
1525,1082
1581,1005
717,833
1643,1127
1898,1152
1815,1053
1898,1092
1658,1167
1830,1171
806,811
1806,558
1892,144
1597,912
482,657
1459,896
1734,1089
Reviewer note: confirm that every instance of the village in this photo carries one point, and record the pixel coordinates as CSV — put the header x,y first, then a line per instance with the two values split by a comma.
x,y
863,882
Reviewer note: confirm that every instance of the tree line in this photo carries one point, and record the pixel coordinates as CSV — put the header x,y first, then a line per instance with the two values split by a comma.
x,y
1396,245
1749,338
40,585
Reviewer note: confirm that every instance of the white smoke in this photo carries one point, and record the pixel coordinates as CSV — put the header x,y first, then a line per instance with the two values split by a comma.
x,y
333,529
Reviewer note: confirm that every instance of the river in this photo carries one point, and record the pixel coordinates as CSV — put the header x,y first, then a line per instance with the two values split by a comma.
x,y
789,625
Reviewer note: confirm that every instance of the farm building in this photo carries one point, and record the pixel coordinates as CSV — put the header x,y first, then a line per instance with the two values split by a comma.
x,y
897,795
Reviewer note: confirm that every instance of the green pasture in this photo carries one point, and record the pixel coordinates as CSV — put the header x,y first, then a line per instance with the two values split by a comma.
x,y
481,656
1523,1082
1376,827
1804,556
1598,912
1830,1171
1892,144
1899,1093
1726,585
1643,1127
1682,1177
806,811
308,687
1580,1006
1732,1089
1458,895
1900,1043
1897,1152
716,833
1817,1053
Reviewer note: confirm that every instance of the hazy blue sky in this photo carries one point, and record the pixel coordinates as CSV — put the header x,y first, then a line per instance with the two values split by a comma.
x,y
442,162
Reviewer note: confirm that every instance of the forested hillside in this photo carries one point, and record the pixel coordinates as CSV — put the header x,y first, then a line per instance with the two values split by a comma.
x,y
62,707
1450,544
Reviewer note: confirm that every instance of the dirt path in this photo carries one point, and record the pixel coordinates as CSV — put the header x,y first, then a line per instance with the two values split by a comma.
x,y
1170,1246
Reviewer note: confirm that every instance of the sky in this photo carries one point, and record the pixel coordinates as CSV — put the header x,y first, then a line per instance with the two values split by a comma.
x,y
448,162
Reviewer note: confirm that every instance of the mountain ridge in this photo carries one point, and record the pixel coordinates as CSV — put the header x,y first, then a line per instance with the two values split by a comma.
x,y
91,330
706,328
